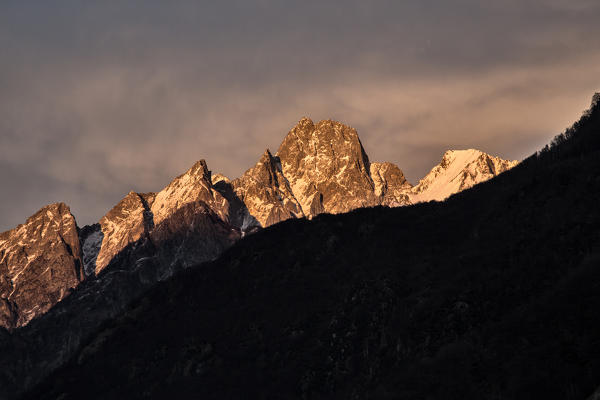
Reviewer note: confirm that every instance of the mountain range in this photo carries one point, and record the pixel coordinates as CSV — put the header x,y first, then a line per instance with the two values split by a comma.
x,y
319,168
491,294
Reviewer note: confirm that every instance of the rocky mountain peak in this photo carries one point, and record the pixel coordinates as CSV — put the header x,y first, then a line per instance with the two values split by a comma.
x,y
458,170
305,124
327,167
218,178
266,192
390,183
39,263
133,219
267,157
194,185
127,222
450,156
199,169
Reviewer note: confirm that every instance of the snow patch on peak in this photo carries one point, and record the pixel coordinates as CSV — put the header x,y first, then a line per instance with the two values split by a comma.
x,y
458,170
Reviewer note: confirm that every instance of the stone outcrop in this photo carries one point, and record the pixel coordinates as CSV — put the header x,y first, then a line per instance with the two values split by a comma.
x,y
194,185
391,186
125,223
327,167
40,262
266,192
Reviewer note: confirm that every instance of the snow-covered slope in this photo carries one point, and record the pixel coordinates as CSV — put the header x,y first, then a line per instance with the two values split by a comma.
x,y
457,171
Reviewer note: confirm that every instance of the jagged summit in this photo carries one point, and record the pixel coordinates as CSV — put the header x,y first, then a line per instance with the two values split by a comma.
x,y
323,167
305,123
458,170
136,215
267,158
327,167
218,178
266,192
199,168
390,183
195,184
125,223
39,263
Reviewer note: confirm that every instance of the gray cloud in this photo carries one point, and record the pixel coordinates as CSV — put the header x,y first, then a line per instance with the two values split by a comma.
x,y
98,99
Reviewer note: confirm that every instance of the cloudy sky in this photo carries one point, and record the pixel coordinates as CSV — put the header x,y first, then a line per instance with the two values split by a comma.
x,y
100,98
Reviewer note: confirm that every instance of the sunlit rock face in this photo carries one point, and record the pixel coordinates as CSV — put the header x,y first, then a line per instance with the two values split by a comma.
x,y
194,185
323,168
40,262
136,215
327,167
391,187
126,223
266,192
457,171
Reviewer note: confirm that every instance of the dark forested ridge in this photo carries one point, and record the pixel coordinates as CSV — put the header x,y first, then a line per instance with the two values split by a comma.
x,y
492,294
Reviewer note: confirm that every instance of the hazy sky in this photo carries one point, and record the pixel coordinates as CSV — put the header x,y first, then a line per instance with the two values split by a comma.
x,y
100,98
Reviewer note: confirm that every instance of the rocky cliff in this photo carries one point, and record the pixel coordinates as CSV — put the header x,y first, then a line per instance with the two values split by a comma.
x,y
194,185
391,187
327,167
266,192
125,223
136,215
40,262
